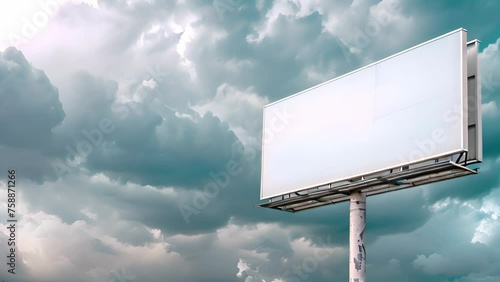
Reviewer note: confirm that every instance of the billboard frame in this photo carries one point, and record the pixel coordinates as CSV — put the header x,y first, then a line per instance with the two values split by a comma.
x,y
464,129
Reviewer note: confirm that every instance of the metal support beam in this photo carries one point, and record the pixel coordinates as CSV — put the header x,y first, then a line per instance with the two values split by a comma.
x,y
357,224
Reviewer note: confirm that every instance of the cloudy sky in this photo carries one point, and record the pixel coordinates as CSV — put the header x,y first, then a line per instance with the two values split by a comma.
x,y
120,115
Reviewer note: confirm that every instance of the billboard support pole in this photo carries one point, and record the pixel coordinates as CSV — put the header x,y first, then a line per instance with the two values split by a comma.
x,y
357,224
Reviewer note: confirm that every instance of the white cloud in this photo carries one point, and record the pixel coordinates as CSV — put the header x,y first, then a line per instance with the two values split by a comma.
x,y
433,264
489,63
266,28
241,109
488,230
245,271
490,108
89,214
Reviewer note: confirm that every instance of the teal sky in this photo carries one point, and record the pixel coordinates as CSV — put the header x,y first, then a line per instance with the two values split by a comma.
x,y
123,117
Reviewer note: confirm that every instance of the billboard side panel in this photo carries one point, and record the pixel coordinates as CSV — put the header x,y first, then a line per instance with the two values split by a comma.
x,y
401,110
474,104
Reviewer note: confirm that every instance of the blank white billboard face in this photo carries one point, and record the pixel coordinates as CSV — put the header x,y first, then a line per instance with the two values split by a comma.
x,y
404,109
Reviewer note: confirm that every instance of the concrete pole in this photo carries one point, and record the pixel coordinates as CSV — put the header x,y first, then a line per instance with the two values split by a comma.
x,y
357,223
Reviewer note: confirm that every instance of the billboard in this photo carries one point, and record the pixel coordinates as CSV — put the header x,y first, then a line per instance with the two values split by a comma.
x,y
407,108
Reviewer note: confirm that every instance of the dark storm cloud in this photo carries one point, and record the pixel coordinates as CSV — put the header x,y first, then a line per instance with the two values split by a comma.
x,y
176,151
30,106
30,112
